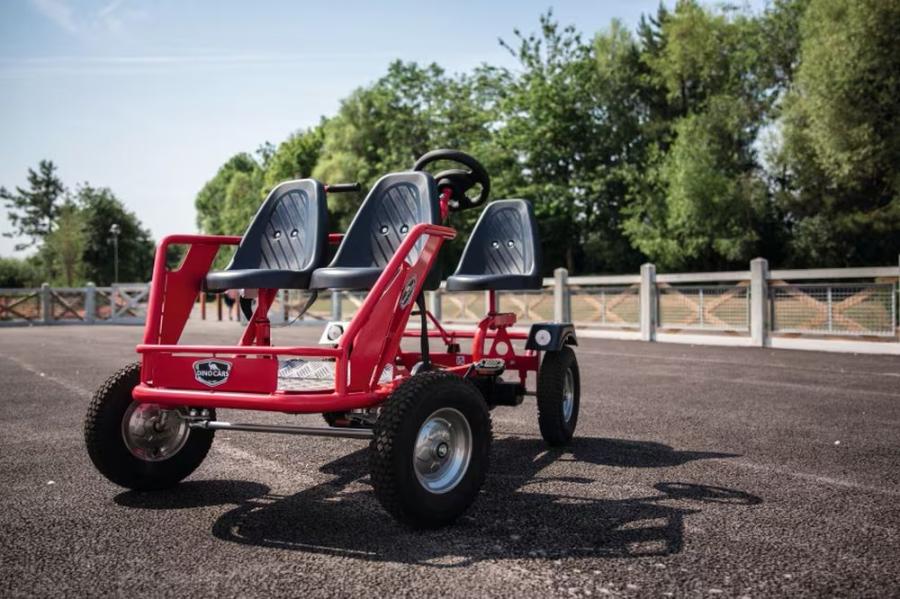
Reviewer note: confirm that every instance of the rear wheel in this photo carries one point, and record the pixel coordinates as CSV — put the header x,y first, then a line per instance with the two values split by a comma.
x,y
141,446
558,396
430,451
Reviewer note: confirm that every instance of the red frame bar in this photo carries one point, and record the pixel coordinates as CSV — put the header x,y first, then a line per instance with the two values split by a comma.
x,y
185,280
363,359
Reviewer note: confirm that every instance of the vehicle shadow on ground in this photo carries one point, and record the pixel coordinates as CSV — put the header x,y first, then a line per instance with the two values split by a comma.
x,y
520,513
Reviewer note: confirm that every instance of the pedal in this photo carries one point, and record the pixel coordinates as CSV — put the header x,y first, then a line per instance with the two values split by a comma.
x,y
489,366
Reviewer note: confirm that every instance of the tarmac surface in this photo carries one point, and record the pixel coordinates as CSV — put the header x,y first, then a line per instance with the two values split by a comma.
x,y
696,471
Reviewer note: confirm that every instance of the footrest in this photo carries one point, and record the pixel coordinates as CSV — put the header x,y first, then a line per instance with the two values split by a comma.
x,y
305,375
313,375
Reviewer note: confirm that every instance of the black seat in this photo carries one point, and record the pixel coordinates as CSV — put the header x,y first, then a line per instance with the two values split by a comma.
x,y
503,251
284,243
396,204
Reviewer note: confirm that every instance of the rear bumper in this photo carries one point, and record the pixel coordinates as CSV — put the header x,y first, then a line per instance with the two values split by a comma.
x,y
247,379
295,403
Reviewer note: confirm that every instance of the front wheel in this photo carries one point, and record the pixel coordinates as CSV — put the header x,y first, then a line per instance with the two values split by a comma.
x,y
558,396
141,446
429,454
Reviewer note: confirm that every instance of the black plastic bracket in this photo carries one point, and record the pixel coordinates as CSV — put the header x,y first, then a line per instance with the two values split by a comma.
x,y
551,336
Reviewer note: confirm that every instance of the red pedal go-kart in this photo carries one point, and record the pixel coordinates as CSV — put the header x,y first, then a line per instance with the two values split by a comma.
x,y
426,412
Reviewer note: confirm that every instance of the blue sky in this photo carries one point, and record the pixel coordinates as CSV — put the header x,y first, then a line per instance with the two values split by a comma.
x,y
149,97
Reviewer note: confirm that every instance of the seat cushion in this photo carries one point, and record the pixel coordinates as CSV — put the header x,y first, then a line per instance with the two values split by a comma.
x,y
256,278
345,277
474,282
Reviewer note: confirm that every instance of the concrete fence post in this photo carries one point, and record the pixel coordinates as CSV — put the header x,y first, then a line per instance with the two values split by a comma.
x,y
562,306
434,303
337,310
759,299
90,303
46,306
648,302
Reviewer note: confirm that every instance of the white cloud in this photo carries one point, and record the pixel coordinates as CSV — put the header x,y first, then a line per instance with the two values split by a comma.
x,y
110,8
112,17
59,12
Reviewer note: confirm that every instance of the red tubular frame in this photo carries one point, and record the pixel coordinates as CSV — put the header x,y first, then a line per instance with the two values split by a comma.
x,y
359,360
370,343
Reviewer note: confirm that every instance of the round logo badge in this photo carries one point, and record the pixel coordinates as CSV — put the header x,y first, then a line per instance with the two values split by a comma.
x,y
407,293
542,337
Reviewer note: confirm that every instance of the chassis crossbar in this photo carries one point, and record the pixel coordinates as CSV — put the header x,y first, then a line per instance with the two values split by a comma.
x,y
311,431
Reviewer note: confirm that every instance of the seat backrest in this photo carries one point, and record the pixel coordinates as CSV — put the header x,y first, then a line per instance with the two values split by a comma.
x,y
289,231
503,242
396,203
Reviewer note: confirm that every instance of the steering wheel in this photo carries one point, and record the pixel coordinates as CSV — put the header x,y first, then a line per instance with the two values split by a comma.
x,y
459,181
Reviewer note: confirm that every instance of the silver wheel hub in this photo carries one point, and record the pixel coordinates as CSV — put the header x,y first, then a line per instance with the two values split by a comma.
x,y
443,450
153,433
568,404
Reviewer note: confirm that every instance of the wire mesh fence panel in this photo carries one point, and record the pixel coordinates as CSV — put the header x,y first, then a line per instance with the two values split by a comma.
x,y
129,303
835,309
67,305
605,306
528,306
103,303
462,306
20,305
709,307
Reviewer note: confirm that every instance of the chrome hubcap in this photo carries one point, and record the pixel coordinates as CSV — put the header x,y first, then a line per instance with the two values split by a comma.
x,y
443,450
152,433
568,395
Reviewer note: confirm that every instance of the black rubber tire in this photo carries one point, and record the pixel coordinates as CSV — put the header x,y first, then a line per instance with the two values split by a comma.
x,y
391,450
555,429
107,449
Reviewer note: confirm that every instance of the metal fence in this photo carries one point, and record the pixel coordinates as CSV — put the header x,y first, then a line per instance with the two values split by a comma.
x,y
755,304
613,306
118,304
711,308
827,309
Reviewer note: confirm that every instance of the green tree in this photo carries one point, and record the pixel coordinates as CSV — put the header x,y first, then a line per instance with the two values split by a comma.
x,y
100,210
33,211
383,128
841,134
243,195
700,199
569,127
15,272
64,246
295,157
211,199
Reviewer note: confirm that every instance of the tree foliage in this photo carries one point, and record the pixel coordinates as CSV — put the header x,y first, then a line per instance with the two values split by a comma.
x,y
100,209
72,233
705,137
63,247
841,148
33,211
19,272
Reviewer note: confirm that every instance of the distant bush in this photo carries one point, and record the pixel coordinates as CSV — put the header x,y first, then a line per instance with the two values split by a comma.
x,y
15,272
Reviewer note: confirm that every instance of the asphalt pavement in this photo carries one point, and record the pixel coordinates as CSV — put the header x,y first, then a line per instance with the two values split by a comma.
x,y
696,471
